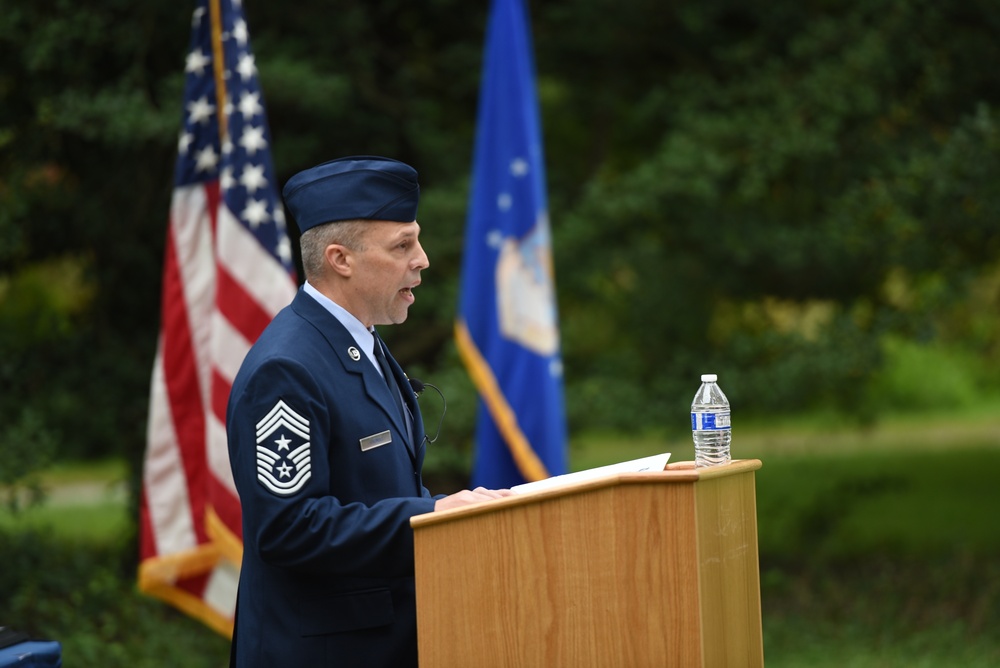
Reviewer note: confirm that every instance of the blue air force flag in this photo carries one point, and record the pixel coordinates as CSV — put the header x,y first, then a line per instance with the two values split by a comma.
x,y
508,332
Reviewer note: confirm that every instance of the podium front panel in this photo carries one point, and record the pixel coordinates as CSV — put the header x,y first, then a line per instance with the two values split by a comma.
x,y
604,573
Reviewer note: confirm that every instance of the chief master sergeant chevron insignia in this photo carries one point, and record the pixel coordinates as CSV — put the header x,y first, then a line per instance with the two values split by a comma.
x,y
283,459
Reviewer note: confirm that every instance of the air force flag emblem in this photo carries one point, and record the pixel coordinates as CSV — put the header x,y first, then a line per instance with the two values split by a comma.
x,y
283,458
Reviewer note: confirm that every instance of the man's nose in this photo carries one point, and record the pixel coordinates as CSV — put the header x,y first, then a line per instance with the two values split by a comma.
x,y
421,262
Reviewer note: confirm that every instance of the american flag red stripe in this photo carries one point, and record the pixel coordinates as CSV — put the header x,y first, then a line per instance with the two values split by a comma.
x,y
227,271
238,307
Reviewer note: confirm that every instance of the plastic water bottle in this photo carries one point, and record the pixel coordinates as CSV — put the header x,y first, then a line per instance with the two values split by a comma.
x,y
710,424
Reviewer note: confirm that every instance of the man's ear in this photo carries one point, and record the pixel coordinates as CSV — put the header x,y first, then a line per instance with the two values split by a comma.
x,y
340,259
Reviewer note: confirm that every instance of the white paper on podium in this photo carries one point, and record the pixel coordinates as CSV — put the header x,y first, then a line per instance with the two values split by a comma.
x,y
654,463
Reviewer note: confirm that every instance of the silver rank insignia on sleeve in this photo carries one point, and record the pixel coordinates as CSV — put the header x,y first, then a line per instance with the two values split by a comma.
x,y
283,456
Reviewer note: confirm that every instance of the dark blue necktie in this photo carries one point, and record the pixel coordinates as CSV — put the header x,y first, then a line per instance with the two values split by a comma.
x,y
390,380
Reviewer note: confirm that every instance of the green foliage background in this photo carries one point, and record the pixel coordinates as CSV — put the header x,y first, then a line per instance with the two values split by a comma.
x,y
785,193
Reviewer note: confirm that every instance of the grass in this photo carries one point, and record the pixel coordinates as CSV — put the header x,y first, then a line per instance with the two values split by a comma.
x,y
103,472
83,501
820,644
918,504
93,522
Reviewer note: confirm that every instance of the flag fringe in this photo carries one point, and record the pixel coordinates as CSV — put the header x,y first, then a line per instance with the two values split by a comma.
x,y
158,577
524,455
229,544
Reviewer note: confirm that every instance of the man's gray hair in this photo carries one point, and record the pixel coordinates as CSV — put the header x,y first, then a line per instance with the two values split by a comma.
x,y
313,242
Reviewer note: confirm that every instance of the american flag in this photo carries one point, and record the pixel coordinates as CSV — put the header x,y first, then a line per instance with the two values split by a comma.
x,y
228,269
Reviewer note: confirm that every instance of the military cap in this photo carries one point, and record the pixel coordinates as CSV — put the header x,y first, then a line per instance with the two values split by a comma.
x,y
353,188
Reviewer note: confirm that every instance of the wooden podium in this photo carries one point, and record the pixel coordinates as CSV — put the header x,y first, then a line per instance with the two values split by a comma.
x,y
630,570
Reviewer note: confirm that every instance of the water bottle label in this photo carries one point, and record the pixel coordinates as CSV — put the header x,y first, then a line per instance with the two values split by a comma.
x,y
709,421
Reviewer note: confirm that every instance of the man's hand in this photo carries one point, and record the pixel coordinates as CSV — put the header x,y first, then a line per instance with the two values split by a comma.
x,y
466,496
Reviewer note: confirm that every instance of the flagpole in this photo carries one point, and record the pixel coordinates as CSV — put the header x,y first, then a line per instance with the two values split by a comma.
x,y
219,67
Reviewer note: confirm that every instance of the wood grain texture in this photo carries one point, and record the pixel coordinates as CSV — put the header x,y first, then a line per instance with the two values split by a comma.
x,y
639,569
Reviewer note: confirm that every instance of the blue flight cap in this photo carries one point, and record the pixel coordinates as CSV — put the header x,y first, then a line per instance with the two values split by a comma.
x,y
355,188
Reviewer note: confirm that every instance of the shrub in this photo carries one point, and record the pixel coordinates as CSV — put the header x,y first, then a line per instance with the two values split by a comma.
x,y
83,595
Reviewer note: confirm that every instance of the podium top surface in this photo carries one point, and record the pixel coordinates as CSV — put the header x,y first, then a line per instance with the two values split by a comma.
x,y
678,472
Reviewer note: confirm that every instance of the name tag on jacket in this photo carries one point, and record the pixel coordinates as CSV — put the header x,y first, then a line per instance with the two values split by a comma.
x,y
375,440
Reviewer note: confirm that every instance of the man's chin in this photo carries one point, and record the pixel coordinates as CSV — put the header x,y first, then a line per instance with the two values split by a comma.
x,y
399,318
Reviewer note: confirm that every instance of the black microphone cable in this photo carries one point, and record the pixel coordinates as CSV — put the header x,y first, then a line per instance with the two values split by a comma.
x,y
418,387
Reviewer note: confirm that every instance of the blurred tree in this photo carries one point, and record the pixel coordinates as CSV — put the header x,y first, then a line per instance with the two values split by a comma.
x,y
89,120
744,188
801,151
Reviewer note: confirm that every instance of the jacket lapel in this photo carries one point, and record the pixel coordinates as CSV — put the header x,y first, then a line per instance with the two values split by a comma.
x,y
355,361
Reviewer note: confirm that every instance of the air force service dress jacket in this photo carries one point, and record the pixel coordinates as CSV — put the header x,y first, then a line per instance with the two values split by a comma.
x,y
327,482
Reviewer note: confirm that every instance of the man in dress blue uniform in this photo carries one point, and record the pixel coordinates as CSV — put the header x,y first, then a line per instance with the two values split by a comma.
x,y
326,440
